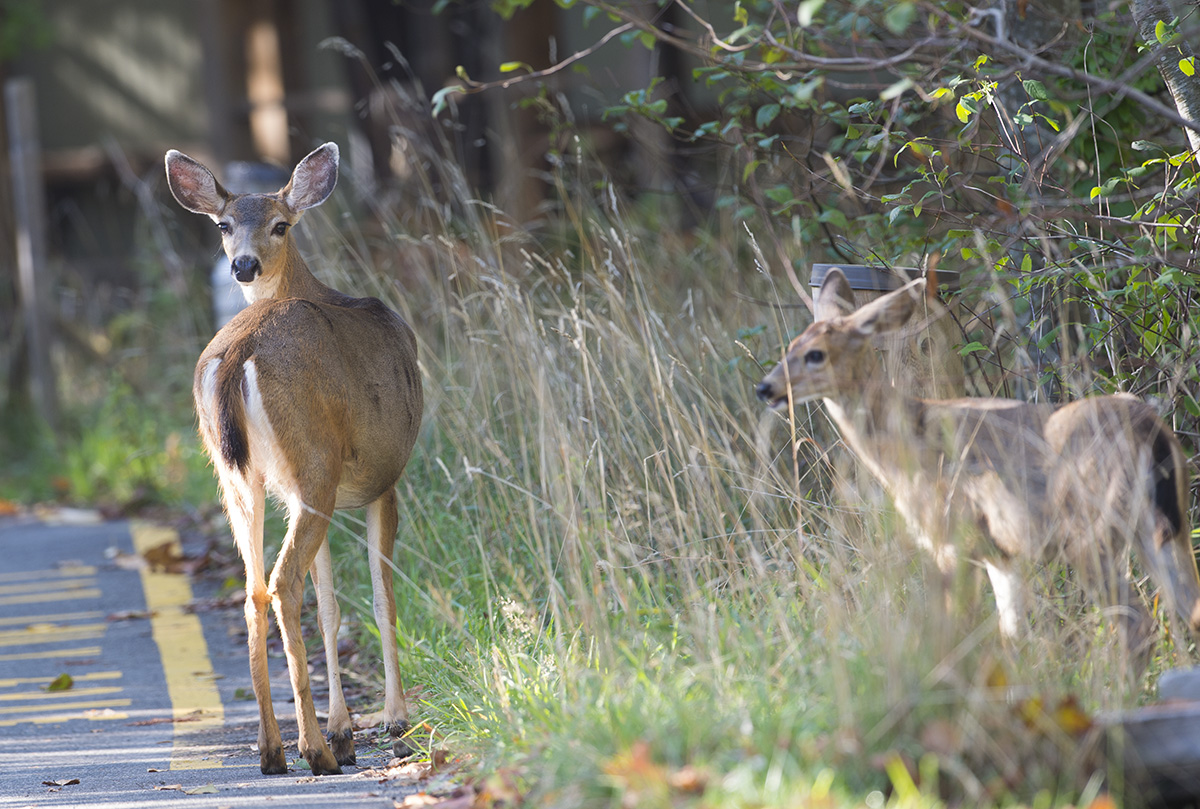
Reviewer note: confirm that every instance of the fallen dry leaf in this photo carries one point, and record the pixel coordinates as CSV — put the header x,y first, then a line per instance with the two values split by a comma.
x,y
688,779
1071,718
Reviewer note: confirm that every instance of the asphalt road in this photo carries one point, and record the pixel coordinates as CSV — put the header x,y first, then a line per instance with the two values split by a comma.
x,y
155,712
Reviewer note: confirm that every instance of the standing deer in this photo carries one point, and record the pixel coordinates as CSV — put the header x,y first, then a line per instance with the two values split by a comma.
x,y
1008,480
315,397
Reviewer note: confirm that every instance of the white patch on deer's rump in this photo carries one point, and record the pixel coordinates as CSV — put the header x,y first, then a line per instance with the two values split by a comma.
x,y
266,453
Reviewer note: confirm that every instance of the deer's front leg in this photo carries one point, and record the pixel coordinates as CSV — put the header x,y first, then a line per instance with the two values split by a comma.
x,y
382,521
1009,591
339,731
306,534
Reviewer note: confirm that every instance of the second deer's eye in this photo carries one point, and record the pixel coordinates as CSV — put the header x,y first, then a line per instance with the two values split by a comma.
x,y
280,228
814,356
223,227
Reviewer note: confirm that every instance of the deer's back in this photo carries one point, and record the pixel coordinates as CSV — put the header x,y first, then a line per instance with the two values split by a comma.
x,y
339,383
1037,480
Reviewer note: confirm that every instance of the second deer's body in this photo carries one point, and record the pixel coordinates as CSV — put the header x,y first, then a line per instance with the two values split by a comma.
x,y
1001,480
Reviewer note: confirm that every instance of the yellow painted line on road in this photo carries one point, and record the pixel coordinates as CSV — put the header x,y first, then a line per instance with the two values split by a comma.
x,y
40,586
70,692
67,571
60,618
80,706
191,683
92,715
42,598
89,677
51,633
81,651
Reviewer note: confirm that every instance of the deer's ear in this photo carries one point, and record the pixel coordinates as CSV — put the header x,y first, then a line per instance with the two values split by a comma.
x,y
889,312
313,179
835,298
194,186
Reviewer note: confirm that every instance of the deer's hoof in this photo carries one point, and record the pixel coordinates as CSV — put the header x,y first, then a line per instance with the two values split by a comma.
x,y
400,746
271,761
342,746
322,762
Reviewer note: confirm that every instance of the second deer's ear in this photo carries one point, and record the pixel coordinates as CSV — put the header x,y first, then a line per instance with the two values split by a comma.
x,y
835,297
194,186
313,179
889,312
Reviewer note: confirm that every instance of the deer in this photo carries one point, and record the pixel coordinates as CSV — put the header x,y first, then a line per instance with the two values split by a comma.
x,y
1002,481
314,397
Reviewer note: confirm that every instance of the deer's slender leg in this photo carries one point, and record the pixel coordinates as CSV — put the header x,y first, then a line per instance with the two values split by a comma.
x,y
245,503
309,523
339,731
1010,599
382,521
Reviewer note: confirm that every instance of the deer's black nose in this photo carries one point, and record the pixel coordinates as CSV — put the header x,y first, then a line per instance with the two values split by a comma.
x,y
764,391
246,268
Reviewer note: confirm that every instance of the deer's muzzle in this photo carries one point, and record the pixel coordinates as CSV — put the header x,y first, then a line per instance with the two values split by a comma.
x,y
246,269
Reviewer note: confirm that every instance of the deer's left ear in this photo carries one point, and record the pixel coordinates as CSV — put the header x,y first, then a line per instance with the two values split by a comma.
x,y
889,312
313,179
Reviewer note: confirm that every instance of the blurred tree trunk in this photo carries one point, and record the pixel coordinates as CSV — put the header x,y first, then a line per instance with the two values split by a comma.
x,y
1185,89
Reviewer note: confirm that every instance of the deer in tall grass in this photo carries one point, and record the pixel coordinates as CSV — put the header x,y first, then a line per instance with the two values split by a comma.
x,y
1002,480
314,397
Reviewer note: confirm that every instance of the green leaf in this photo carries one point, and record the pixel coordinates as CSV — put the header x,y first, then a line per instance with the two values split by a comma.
x,y
808,11
62,682
1027,263
1162,33
765,115
1188,66
980,61
965,109
899,17
740,15
834,217
896,90
1036,90
509,67
971,348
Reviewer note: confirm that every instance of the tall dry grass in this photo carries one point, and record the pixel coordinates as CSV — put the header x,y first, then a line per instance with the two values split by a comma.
x,y
623,583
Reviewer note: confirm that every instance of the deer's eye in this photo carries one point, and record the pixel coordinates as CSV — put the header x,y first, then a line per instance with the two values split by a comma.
x,y
280,228
223,227
814,356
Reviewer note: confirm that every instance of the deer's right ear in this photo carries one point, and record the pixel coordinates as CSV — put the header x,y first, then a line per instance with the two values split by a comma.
x,y
193,186
835,298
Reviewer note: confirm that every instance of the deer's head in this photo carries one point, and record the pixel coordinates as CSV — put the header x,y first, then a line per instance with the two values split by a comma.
x,y
255,227
836,354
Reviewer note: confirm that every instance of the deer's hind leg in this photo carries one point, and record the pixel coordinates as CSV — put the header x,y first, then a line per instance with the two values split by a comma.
x,y
245,503
382,521
339,731
307,530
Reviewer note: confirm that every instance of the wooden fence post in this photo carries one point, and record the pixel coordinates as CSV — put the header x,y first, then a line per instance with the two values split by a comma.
x,y
29,215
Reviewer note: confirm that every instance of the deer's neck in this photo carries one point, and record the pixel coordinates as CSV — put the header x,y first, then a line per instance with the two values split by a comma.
x,y
292,279
882,425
